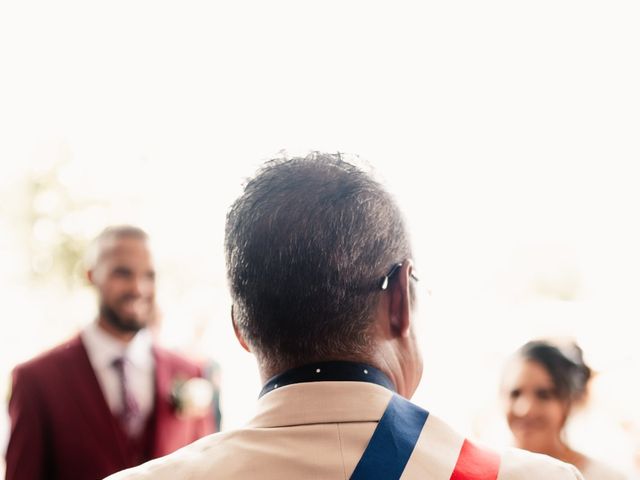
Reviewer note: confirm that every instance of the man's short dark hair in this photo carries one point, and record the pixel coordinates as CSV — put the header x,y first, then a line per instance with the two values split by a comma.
x,y
114,232
306,246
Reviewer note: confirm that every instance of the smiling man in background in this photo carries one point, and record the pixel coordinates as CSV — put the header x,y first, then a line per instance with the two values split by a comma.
x,y
322,282
103,401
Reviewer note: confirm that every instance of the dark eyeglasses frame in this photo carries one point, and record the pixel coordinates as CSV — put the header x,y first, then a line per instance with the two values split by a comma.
x,y
384,281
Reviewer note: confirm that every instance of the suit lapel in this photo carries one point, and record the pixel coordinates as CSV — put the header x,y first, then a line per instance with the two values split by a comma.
x,y
161,405
90,402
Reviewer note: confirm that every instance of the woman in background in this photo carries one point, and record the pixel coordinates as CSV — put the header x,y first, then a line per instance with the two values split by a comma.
x,y
541,386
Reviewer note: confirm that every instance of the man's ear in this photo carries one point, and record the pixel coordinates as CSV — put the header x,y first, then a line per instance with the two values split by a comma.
x,y
236,330
400,301
89,275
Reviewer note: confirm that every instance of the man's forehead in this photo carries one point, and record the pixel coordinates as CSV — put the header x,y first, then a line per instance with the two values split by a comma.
x,y
122,246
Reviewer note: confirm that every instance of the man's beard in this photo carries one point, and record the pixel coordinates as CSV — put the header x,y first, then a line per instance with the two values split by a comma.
x,y
119,323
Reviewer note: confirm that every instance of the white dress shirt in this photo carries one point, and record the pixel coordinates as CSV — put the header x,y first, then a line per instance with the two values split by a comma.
x,y
103,349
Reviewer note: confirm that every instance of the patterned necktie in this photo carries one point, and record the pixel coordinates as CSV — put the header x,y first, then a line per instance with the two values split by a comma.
x,y
129,415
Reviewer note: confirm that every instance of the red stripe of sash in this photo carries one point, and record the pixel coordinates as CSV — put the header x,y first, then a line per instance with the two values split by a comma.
x,y
475,463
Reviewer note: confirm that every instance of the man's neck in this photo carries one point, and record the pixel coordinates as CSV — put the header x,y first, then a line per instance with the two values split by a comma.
x,y
399,365
119,335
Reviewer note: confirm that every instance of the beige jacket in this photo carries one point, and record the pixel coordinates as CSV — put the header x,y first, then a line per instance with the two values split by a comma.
x,y
319,431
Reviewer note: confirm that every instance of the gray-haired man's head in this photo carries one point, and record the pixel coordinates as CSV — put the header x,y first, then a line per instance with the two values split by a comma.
x,y
306,246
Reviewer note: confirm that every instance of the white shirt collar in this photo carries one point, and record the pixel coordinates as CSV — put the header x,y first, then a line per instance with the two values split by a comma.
x,y
103,349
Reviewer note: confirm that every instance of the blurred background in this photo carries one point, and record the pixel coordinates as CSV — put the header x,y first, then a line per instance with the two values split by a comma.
x,y
507,130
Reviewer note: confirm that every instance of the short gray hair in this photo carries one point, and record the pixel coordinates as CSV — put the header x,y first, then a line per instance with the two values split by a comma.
x,y
306,245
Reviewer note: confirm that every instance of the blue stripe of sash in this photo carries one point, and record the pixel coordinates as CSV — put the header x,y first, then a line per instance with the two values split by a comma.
x,y
392,442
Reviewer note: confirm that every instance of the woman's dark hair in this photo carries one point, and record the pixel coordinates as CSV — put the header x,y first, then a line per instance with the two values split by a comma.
x,y
565,365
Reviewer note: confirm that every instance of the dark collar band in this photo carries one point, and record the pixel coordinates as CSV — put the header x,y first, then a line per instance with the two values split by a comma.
x,y
329,372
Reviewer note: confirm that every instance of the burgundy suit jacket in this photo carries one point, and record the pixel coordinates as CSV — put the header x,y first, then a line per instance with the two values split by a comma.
x,y
62,427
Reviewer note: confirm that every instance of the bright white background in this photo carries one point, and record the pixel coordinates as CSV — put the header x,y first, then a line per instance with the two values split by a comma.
x,y
507,130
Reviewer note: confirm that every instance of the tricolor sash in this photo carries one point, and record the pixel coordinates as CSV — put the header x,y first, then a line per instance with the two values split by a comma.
x,y
476,463
397,432
392,442
395,438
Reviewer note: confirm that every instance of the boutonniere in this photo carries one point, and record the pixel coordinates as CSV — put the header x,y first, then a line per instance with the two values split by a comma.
x,y
191,397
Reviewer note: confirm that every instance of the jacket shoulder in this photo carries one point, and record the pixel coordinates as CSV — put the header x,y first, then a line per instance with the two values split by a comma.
x,y
518,464
48,363
196,460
